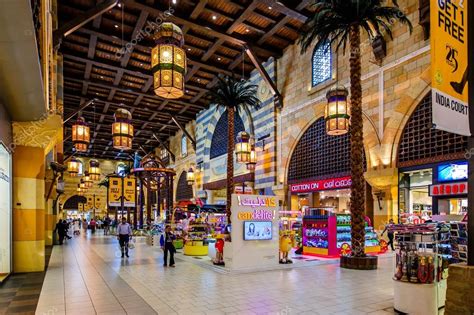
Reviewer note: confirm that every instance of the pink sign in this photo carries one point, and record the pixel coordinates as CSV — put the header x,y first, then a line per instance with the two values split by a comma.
x,y
324,184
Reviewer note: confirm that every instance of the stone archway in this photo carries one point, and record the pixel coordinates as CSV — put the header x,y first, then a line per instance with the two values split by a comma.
x,y
72,203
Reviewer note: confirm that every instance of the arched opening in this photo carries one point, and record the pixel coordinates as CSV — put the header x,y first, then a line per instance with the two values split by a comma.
x,y
427,158
219,137
184,191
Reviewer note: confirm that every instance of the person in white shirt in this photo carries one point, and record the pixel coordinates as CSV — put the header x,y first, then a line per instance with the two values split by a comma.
x,y
124,235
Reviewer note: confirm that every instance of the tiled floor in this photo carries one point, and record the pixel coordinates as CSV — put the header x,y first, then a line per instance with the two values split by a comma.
x,y
88,277
20,293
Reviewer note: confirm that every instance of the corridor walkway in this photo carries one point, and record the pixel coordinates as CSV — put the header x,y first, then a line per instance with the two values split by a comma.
x,y
87,276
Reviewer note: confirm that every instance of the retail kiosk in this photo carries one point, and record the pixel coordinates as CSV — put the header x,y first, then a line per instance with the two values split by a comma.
x,y
254,233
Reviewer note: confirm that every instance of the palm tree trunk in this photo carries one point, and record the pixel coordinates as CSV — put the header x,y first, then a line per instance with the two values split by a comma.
x,y
357,148
230,160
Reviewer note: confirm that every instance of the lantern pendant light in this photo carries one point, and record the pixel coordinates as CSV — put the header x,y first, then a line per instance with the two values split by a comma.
x,y
81,135
242,147
252,163
79,190
168,61
190,176
337,113
87,180
73,167
94,170
122,130
82,185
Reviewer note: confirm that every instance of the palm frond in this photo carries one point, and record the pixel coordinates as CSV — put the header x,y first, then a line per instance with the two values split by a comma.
x,y
231,92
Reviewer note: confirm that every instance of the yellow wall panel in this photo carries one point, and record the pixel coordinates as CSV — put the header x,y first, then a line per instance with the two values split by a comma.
x,y
28,225
28,256
29,162
29,192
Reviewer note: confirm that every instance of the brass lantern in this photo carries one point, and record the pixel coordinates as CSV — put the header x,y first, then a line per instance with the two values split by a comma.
x,y
122,130
337,114
242,147
73,167
82,185
79,190
87,180
81,135
252,163
168,61
190,176
94,170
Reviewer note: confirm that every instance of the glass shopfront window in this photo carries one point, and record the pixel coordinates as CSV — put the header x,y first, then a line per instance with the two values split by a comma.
x,y
5,212
415,203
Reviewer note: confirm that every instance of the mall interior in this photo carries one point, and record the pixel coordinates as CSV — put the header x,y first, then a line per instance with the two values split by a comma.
x,y
295,149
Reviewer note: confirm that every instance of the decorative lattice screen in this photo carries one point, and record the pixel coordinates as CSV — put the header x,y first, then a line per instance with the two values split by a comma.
x,y
420,144
219,138
183,191
318,155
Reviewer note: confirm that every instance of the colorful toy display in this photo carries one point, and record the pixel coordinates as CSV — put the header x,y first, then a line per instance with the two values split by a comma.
x,y
329,234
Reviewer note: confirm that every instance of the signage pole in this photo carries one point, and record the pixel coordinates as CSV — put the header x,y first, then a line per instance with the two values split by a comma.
x,y
470,153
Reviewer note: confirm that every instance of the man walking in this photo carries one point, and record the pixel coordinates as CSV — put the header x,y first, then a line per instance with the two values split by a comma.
x,y
166,242
389,233
60,228
124,234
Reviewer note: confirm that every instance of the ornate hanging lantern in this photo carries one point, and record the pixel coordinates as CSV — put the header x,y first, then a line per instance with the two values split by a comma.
x,y
87,180
252,163
73,167
168,61
79,190
122,130
81,135
337,113
190,176
242,147
94,170
82,185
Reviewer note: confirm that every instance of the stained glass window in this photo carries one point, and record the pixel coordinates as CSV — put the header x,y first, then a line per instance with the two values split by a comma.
x,y
322,64
184,146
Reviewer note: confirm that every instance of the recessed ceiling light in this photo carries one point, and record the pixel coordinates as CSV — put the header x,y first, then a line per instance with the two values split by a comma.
x,y
141,64
101,76
247,30
214,17
116,26
119,5
187,91
199,80
219,58
269,8
189,49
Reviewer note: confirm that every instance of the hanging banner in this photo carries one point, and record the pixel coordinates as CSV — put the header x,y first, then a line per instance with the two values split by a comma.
x,y
129,191
90,203
115,191
98,202
449,65
80,207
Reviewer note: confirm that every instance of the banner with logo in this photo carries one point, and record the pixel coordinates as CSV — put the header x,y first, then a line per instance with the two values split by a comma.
x,y
449,33
324,184
80,207
90,203
98,202
129,191
115,191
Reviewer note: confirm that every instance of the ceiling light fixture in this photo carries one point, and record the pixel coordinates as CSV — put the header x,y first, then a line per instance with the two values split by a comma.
x,y
214,17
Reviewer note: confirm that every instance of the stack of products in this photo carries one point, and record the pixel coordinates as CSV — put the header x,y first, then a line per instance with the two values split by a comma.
x,y
459,241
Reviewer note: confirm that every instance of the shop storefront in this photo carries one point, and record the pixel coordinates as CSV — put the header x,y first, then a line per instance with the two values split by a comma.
x,y
432,170
439,189
5,212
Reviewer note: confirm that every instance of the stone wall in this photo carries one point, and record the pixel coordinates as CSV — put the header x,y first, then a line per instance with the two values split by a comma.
x,y
459,299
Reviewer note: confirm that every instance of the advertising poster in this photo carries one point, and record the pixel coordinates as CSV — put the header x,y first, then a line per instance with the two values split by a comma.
x,y
115,191
80,207
5,212
90,203
129,191
449,65
98,202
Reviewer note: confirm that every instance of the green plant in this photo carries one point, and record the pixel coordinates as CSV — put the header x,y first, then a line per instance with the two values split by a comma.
x,y
233,95
337,22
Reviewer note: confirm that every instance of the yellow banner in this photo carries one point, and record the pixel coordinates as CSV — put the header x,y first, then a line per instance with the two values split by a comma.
x,y
115,191
80,207
98,202
449,33
90,203
129,191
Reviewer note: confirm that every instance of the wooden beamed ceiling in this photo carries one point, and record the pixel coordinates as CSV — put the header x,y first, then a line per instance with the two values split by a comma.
x,y
109,59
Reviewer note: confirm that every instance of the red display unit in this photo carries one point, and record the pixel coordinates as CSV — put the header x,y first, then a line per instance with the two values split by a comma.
x,y
328,234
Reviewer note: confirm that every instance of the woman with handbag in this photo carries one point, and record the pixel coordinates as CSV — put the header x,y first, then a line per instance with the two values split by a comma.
x,y
166,242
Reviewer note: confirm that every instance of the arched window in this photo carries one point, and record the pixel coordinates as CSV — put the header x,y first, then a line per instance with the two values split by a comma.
x,y
184,191
184,146
322,64
219,138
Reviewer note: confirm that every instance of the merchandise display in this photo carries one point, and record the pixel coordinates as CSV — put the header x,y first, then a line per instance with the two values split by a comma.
x,y
421,267
458,240
196,239
329,234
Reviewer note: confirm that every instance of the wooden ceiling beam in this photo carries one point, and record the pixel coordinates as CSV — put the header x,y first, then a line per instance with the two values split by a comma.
x,y
283,9
243,16
138,27
193,141
198,9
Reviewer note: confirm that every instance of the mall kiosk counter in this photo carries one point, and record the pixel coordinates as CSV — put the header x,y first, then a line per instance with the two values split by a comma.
x,y
196,239
328,234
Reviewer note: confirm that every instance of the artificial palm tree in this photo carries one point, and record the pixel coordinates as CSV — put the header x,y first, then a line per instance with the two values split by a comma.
x,y
335,22
234,95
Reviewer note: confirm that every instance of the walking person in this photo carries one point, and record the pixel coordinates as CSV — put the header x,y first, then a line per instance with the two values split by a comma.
x,y
106,225
390,233
124,235
61,231
66,230
166,243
